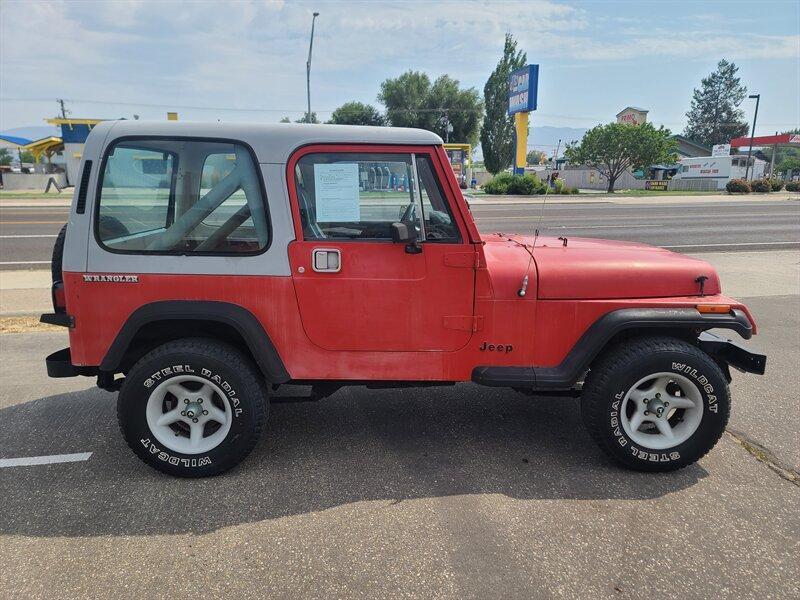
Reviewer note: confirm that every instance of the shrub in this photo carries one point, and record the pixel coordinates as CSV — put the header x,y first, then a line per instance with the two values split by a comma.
x,y
762,186
738,186
523,185
776,184
793,186
562,188
526,185
499,184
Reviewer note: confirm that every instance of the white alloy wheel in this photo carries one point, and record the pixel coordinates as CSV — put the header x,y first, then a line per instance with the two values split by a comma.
x,y
662,410
189,414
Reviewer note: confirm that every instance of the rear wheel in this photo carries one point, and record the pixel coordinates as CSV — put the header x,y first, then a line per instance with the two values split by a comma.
x,y
192,407
656,404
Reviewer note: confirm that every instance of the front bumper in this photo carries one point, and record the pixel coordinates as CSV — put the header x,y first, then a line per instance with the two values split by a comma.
x,y
732,354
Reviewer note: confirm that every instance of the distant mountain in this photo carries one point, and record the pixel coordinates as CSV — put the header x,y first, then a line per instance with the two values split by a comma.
x,y
546,138
35,132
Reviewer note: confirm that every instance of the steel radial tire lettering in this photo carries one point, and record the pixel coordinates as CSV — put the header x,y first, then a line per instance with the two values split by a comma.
x,y
206,443
633,371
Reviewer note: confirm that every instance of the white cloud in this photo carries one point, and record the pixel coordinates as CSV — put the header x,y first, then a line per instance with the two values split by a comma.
x,y
252,53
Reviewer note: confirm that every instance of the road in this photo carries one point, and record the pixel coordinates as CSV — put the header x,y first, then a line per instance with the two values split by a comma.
x,y
463,492
459,492
27,234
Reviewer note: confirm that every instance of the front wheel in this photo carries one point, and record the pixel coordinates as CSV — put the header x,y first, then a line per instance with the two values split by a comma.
x,y
192,407
656,404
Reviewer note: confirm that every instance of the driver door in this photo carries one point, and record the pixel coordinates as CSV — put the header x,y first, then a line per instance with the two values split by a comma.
x,y
356,289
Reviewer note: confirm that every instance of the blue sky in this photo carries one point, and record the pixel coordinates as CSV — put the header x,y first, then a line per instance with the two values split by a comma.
x,y
218,60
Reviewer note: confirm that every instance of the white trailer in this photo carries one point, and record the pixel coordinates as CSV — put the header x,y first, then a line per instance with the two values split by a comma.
x,y
720,168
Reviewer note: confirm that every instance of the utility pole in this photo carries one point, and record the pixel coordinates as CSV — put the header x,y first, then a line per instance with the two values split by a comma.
x,y
308,68
63,111
752,133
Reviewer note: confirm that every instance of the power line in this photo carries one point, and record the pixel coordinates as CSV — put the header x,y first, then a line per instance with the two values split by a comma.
x,y
592,119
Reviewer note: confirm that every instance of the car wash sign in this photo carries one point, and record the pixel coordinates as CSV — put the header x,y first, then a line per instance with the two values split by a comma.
x,y
523,85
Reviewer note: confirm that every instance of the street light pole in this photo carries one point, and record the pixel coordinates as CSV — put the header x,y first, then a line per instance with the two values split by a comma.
x,y
308,68
752,133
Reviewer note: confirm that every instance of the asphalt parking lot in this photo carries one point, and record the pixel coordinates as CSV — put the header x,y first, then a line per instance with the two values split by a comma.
x,y
455,492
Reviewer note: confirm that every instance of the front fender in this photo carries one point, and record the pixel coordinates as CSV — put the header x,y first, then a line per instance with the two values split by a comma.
x,y
600,333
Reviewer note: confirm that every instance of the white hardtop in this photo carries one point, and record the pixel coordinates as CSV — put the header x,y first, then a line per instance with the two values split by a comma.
x,y
272,143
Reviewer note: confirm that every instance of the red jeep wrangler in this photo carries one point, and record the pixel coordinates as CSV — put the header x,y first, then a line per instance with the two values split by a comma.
x,y
205,264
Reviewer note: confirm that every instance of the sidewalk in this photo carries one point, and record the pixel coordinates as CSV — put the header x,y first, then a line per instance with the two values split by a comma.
x,y
485,199
757,273
25,293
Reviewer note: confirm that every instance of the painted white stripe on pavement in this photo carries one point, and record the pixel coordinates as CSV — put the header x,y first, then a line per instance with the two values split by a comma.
x,y
545,226
28,461
795,242
33,235
27,262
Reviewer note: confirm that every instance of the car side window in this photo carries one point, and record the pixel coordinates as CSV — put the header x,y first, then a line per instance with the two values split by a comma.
x,y
347,196
357,196
181,196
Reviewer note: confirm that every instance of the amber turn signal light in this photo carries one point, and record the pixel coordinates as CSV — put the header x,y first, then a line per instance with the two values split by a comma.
x,y
713,309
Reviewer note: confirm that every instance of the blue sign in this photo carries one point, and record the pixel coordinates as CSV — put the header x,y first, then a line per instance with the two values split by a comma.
x,y
523,85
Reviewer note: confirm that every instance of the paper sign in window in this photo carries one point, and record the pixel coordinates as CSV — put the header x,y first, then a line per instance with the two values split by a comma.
x,y
336,193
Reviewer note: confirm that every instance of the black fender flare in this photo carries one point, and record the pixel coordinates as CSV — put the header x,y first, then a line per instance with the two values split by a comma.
x,y
590,344
238,317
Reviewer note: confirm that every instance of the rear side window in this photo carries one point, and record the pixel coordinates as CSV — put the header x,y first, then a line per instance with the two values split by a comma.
x,y
170,196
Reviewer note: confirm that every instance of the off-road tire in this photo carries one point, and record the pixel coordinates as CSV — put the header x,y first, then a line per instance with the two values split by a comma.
x,y
57,259
627,363
215,362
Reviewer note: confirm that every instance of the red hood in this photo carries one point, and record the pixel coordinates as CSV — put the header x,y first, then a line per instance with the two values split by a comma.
x,y
593,269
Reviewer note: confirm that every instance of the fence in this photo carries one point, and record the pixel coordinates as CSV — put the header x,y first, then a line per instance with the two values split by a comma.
x,y
693,185
591,179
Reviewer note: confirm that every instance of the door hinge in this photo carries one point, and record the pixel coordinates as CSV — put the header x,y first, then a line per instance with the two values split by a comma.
x,y
465,323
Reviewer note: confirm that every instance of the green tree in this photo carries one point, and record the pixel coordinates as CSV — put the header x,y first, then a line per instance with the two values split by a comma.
x,y
27,157
715,116
616,147
535,157
411,100
497,132
447,103
304,118
788,164
404,99
357,113
5,157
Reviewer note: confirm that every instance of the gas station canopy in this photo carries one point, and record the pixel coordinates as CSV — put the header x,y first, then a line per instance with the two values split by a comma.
x,y
785,139
776,141
46,146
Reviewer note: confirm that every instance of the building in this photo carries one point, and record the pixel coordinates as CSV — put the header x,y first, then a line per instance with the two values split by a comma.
x,y
73,135
632,115
689,148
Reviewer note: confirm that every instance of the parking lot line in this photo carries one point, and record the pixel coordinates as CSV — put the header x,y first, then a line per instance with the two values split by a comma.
x,y
28,461
33,235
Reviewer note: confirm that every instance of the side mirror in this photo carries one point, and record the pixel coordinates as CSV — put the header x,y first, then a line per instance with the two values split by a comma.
x,y
403,234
